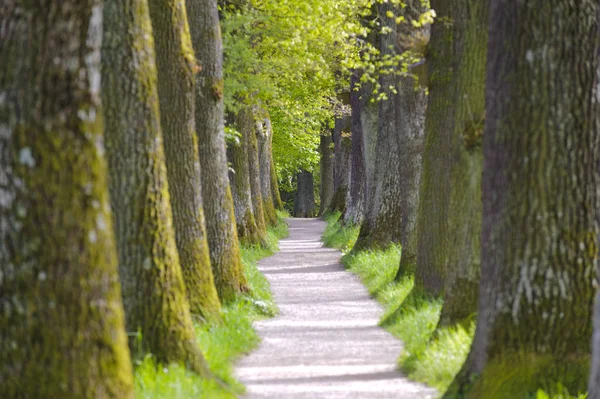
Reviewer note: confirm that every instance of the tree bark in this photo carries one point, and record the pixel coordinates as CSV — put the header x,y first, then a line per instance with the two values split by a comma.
x,y
221,229
62,330
153,289
304,200
540,231
175,63
265,155
248,230
463,264
254,170
357,191
326,165
342,162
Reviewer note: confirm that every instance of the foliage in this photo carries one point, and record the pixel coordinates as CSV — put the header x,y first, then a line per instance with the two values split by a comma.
x,y
338,236
221,342
294,58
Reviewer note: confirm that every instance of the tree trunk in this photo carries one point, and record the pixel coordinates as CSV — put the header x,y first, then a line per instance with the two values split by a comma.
x,y
250,135
541,228
153,290
304,200
326,188
221,230
341,162
265,155
175,63
391,215
240,182
275,194
356,199
461,284
62,330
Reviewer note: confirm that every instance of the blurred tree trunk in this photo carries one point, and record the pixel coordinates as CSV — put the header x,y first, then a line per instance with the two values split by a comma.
x,y
326,165
341,162
221,229
541,183
62,330
304,200
175,63
463,264
356,194
248,230
153,289
265,155
254,170
393,189
275,194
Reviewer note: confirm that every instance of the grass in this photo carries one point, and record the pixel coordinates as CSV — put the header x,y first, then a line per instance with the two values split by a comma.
x,y
434,360
222,343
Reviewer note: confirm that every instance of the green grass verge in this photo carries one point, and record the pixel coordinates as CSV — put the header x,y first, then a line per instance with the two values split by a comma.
x,y
222,343
434,360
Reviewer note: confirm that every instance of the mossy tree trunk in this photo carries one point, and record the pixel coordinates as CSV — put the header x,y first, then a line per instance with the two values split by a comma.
x,y
469,46
265,155
239,176
250,135
392,208
62,331
221,229
541,180
175,63
153,289
341,162
304,199
275,194
357,191
326,165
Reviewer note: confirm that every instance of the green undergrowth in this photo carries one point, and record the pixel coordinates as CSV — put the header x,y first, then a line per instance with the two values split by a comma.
x,y
221,342
434,359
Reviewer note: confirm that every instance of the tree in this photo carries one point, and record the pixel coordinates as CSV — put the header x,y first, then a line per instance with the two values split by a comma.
x,y
304,200
326,165
175,63
264,135
61,326
357,191
341,162
275,195
250,135
248,230
394,182
153,289
541,149
217,199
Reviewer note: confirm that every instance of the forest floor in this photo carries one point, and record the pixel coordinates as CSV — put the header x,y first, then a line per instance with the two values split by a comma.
x,y
325,341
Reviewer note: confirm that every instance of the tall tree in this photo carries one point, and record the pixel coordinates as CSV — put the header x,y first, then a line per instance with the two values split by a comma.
x,y
153,289
175,63
254,169
304,199
223,242
357,191
275,194
326,165
62,330
394,181
468,37
265,156
341,162
540,231
248,229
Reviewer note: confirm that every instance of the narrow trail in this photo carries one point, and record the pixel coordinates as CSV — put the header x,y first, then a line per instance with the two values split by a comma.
x,y
325,342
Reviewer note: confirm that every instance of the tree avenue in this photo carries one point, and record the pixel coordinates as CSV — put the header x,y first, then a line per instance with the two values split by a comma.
x,y
151,149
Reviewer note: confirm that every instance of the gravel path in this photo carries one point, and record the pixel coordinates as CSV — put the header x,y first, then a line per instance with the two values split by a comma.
x,y
325,342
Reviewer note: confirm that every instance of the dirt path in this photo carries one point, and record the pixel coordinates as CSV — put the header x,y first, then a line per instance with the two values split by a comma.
x,y
325,343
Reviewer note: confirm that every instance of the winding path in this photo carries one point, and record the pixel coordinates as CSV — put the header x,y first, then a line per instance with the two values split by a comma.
x,y
325,342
